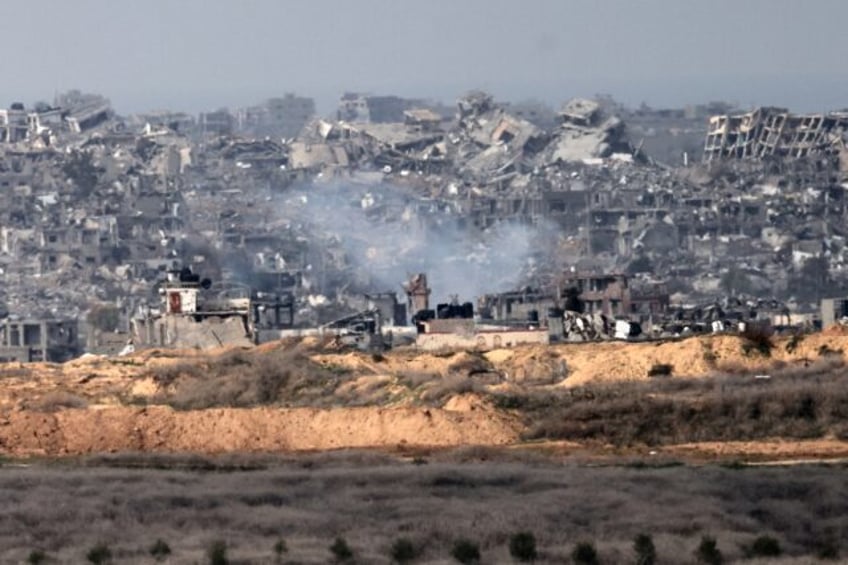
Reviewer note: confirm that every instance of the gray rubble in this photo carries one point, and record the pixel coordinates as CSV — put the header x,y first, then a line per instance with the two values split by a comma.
x,y
98,206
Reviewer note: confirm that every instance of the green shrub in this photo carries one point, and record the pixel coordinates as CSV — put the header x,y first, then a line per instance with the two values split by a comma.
x,y
217,553
100,553
36,556
643,547
159,550
465,551
341,550
794,341
827,549
660,370
757,338
708,552
522,546
280,547
585,554
403,551
763,546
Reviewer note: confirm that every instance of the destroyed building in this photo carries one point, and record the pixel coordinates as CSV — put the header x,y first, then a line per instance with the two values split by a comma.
x,y
366,108
99,211
196,312
453,324
280,117
775,132
45,339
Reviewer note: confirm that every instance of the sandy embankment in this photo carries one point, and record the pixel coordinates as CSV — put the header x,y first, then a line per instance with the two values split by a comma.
x,y
162,429
113,422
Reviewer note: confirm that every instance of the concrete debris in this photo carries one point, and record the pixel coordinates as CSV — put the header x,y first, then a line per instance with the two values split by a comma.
x,y
766,132
594,222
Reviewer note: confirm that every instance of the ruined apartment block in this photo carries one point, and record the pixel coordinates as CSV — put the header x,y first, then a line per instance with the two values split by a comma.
x,y
97,208
770,131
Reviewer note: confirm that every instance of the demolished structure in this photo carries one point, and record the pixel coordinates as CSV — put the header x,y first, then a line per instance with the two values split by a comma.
x,y
775,132
317,229
453,325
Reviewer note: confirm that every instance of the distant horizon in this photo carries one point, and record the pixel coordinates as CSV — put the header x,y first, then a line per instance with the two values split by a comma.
x,y
801,95
197,55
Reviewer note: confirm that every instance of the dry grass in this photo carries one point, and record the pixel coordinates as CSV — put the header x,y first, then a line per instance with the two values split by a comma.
x,y
371,501
12,371
54,401
803,401
248,378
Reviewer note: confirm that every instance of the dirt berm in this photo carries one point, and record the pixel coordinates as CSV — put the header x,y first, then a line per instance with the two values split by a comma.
x,y
302,395
162,429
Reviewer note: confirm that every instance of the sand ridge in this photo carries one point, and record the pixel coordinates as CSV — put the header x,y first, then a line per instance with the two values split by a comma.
x,y
97,404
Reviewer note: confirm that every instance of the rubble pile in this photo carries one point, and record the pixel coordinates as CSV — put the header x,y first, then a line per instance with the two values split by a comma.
x,y
97,207
775,131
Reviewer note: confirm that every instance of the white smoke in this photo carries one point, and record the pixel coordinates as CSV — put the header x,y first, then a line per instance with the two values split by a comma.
x,y
388,234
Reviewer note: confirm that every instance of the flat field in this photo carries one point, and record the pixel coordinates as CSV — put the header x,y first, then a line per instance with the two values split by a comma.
x,y
371,500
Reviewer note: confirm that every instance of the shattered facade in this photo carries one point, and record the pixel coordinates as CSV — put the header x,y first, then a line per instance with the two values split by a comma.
x,y
775,132
321,227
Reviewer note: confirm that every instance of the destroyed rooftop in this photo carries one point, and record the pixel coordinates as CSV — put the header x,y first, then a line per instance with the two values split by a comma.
x,y
708,201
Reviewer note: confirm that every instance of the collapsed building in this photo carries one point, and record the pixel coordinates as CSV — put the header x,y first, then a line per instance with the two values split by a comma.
x,y
453,325
44,339
775,132
314,224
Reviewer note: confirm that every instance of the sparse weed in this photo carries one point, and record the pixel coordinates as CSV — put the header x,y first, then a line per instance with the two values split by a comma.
x,y
643,547
36,557
763,546
99,554
341,550
661,370
757,338
465,551
217,553
160,550
280,548
708,552
403,551
522,546
585,554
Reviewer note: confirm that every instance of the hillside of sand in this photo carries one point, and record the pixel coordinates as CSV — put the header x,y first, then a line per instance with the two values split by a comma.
x,y
302,395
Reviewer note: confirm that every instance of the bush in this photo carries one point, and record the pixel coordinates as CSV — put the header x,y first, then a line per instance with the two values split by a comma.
x,y
57,400
465,551
660,370
585,554
245,379
36,556
708,552
280,547
646,553
763,546
100,553
341,550
403,551
522,546
160,550
757,338
217,553
827,549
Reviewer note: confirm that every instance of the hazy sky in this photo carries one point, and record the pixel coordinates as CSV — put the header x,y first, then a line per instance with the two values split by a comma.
x,y
201,54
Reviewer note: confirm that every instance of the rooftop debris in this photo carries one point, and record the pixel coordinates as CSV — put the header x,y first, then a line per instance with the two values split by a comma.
x,y
487,199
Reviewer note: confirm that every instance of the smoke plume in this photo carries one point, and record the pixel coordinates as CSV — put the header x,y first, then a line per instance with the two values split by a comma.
x,y
388,233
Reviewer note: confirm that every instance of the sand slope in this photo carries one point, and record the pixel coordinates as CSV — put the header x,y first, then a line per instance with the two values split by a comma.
x,y
107,405
162,429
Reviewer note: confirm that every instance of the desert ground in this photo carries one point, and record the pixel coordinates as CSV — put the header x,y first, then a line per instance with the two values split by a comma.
x,y
723,436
